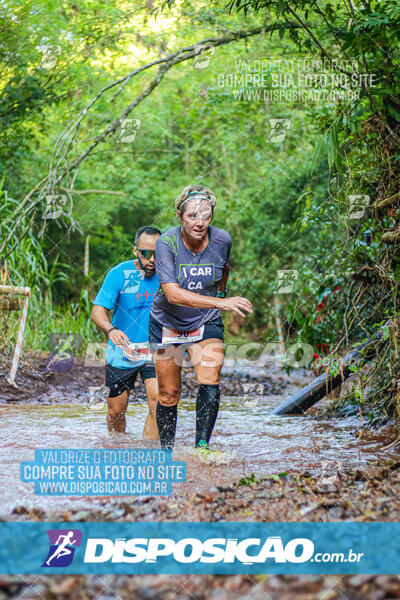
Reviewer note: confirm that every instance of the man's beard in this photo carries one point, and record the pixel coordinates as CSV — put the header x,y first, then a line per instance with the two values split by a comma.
x,y
146,271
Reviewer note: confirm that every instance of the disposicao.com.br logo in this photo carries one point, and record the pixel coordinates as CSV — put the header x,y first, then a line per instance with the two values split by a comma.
x,y
248,551
191,550
188,550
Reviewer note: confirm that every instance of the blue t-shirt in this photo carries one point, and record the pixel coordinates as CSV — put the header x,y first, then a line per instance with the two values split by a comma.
x,y
198,272
129,294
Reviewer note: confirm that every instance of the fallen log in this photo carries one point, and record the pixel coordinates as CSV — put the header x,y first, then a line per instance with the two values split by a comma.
x,y
324,384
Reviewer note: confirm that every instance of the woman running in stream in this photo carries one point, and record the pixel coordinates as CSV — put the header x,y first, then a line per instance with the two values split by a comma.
x,y
192,263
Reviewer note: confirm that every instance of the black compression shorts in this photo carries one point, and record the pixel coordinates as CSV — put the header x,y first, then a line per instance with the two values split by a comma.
x,y
119,380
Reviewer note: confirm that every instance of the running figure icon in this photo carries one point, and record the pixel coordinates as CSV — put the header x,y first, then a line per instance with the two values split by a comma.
x,y
62,549
63,544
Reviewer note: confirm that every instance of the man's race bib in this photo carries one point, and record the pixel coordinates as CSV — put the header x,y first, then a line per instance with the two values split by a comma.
x,y
176,336
137,352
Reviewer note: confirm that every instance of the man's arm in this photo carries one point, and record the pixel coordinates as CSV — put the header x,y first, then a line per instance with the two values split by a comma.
x,y
100,318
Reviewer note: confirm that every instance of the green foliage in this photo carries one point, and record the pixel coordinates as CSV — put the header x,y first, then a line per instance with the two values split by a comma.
x,y
286,205
247,481
278,476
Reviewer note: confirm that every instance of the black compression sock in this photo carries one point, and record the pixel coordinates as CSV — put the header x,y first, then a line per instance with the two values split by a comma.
x,y
207,405
166,423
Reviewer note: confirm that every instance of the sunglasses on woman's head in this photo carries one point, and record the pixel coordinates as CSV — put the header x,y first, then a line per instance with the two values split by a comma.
x,y
146,253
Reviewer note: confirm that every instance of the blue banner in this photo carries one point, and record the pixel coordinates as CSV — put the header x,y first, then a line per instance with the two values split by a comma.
x,y
188,548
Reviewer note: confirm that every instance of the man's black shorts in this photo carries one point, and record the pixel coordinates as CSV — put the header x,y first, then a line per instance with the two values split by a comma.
x,y
119,380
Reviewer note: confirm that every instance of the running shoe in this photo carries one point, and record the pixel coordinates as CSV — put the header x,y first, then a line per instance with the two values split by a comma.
x,y
204,450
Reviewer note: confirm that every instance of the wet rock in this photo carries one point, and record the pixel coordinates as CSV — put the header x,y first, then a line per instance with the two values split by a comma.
x,y
36,592
335,512
11,586
382,580
359,475
274,582
307,584
326,489
218,593
331,595
37,513
65,517
297,596
81,515
308,509
329,502
20,510
235,582
389,584
117,513
358,580
65,586
327,485
376,595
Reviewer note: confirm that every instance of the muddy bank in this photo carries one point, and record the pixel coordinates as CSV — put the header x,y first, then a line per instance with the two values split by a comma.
x,y
36,383
370,493
40,382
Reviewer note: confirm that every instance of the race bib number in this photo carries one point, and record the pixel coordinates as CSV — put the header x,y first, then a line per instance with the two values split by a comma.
x,y
176,336
137,352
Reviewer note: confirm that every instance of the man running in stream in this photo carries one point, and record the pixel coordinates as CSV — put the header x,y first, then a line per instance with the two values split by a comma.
x,y
128,290
192,264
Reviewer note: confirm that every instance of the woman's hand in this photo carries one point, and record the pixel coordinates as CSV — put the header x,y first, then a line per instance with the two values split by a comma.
x,y
118,338
236,304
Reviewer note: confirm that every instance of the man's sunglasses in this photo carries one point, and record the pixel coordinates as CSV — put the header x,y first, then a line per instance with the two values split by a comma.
x,y
146,253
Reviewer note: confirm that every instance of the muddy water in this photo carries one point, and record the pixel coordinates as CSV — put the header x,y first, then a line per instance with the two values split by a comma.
x,y
249,439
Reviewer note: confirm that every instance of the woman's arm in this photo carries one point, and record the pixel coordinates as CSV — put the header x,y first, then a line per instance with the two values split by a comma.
x,y
224,279
179,296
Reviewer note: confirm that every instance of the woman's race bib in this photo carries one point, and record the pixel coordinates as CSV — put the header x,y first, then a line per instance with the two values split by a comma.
x,y
137,352
176,336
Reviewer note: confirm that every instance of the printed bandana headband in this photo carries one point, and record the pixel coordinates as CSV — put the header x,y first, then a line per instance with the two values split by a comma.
x,y
199,196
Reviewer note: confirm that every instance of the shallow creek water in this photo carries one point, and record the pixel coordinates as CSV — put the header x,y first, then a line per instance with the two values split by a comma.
x,y
250,441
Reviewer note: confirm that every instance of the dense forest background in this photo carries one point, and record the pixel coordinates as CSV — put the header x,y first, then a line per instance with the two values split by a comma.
x,y
319,198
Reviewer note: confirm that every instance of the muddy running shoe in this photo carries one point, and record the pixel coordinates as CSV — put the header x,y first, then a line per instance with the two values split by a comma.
x,y
205,452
